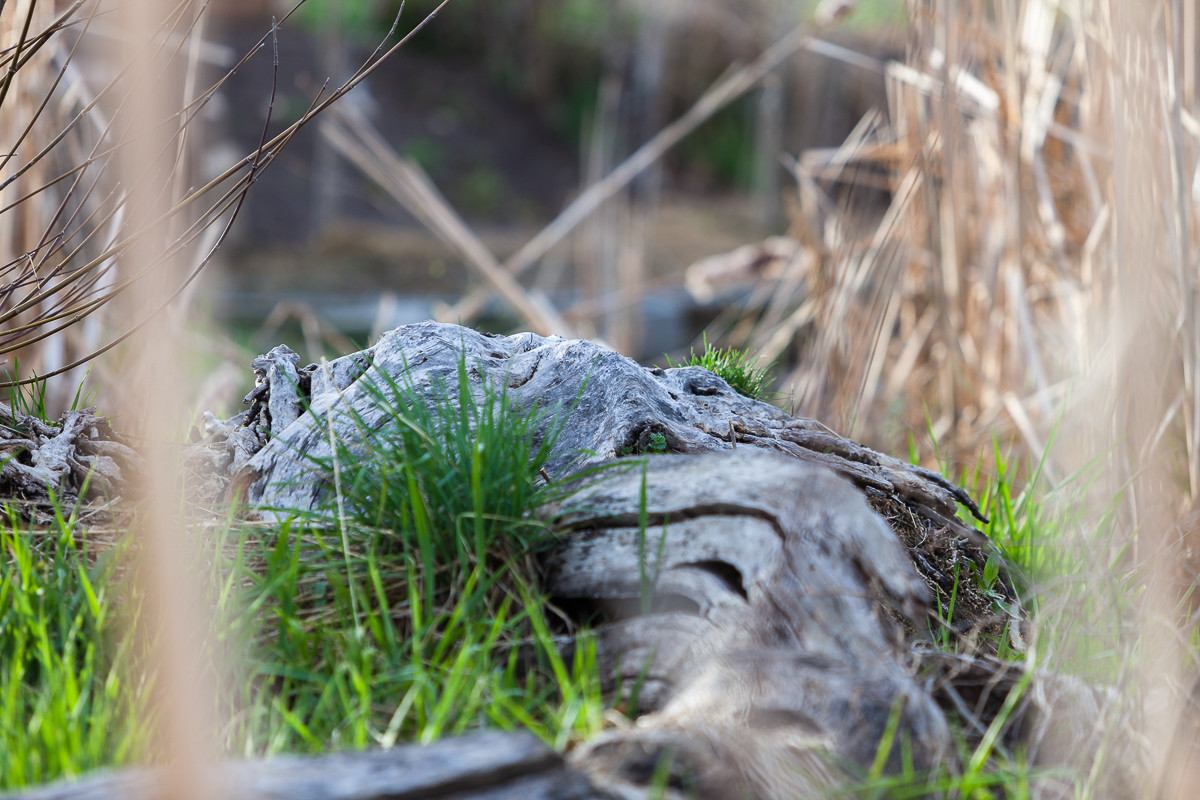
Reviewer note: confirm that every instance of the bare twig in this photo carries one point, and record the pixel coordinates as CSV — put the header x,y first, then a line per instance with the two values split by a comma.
x,y
358,141
68,274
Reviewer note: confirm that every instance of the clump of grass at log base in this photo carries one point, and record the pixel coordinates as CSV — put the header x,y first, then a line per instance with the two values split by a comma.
x,y
417,616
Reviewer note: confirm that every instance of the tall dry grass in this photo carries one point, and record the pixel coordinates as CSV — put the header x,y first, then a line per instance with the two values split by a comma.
x,y
1033,279
1040,161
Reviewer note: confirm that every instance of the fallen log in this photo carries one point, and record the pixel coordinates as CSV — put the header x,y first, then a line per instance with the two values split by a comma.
x,y
781,633
483,766
614,405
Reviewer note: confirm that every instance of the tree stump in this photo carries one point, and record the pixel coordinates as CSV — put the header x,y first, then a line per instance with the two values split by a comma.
x,y
772,618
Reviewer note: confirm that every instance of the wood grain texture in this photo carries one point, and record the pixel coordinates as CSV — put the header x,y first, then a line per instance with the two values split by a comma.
x,y
794,660
483,766
614,404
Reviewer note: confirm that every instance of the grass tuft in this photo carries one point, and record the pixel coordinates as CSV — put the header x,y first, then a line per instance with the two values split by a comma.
x,y
733,366
70,700
416,617
451,475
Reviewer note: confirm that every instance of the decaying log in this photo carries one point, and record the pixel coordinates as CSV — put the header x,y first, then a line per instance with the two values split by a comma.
x,y
43,462
767,614
789,662
483,766
615,403
765,624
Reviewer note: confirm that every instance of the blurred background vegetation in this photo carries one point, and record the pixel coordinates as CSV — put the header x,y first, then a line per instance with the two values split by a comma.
x,y
507,112
511,109
905,215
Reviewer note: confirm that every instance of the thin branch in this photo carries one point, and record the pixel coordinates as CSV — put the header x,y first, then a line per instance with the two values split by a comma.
x,y
233,197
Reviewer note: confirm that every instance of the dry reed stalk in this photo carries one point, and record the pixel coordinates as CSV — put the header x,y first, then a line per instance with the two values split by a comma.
x,y
1033,278
177,627
1148,357
969,289
34,71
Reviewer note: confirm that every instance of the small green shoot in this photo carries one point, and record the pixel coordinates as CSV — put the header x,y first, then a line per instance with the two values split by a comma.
x,y
647,577
29,399
656,446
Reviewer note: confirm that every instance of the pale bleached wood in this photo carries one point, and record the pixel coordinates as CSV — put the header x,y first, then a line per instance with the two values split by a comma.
x,y
483,766
42,463
794,585
610,401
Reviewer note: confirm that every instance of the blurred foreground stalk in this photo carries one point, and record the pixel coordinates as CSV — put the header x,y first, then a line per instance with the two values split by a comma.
x,y
176,625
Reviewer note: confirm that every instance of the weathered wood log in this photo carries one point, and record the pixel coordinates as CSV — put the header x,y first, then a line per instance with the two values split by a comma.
x,y
773,644
268,453
483,766
771,619
41,461
793,660
615,404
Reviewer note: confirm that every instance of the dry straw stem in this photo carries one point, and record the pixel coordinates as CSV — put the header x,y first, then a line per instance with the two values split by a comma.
x,y
358,141
64,221
176,629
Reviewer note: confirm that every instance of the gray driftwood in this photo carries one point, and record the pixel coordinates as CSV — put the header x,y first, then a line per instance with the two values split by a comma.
x,y
773,651
78,455
768,615
613,406
483,766
617,404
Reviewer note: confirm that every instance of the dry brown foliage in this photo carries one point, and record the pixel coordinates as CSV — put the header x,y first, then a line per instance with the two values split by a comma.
x,y
1032,279
1031,231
